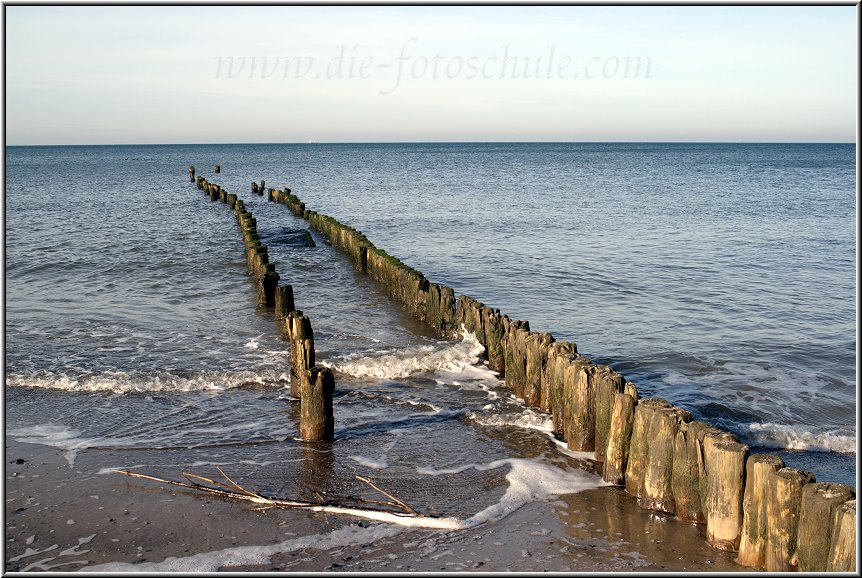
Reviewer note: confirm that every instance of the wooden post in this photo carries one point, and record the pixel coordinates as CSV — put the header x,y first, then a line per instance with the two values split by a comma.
x,y
492,321
581,434
814,540
658,475
301,349
267,286
725,475
608,384
752,547
707,437
560,356
685,481
782,511
536,356
842,557
316,422
284,301
619,438
192,173
639,445
218,168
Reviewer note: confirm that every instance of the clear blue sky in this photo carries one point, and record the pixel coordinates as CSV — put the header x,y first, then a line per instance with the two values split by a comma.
x,y
203,74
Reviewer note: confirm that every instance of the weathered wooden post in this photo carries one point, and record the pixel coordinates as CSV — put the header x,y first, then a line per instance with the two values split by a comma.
x,y
560,356
658,475
301,349
218,168
685,481
536,356
842,555
619,438
492,322
782,510
579,400
267,285
192,173
284,301
820,501
752,546
608,384
639,445
725,478
316,422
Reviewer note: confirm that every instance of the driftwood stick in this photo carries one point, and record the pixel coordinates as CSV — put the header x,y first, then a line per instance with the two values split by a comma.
x,y
390,496
188,475
241,493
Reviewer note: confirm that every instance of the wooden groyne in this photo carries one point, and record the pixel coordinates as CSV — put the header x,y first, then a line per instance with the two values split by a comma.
x,y
312,384
775,517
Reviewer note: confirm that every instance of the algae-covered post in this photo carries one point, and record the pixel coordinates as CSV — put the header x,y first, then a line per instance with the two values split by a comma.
x,y
752,547
658,475
842,553
782,508
316,422
619,437
192,173
218,168
301,349
639,444
725,473
819,503
267,284
283,302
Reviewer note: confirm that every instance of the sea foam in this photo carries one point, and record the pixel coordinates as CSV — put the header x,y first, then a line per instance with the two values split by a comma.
x,y
451,360
778,436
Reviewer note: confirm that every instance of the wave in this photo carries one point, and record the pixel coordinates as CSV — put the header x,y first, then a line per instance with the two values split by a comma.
x,y
529,480
139,382
527,419
778,436
461,359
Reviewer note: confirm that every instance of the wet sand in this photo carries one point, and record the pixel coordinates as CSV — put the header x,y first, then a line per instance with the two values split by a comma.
x,y
66,517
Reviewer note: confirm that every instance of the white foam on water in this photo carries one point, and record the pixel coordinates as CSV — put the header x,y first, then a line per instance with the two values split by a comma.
x,y
370,463
529,480
778,436
53,435
253,342
528,419
256,555
124,382
452,360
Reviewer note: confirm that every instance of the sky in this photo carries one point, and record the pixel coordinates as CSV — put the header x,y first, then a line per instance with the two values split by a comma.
x,y
237,74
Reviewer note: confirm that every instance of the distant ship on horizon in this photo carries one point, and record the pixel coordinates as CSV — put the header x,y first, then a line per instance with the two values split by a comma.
x,y
312,141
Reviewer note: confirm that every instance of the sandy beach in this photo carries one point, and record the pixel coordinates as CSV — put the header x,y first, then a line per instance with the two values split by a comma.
x,y
79,517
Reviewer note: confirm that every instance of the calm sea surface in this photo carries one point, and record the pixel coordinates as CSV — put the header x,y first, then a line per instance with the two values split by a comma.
x,y
721,277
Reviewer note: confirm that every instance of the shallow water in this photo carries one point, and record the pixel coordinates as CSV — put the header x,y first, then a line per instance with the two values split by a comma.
x,y
721,277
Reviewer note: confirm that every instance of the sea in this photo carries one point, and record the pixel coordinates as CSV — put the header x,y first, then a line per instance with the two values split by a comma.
x,y
721,277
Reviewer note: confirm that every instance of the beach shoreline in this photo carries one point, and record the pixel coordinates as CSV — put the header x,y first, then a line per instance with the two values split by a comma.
x,y
77,516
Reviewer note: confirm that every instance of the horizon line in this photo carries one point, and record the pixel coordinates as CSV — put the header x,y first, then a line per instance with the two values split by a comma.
x,y
6,145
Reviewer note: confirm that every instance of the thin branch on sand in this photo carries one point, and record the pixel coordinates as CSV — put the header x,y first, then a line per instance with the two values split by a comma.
x,y
233,490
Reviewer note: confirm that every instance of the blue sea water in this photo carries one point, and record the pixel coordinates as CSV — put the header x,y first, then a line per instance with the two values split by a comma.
x,y
721,277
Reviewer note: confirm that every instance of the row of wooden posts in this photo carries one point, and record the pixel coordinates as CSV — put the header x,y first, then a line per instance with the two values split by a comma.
x,y
775,517
312,384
